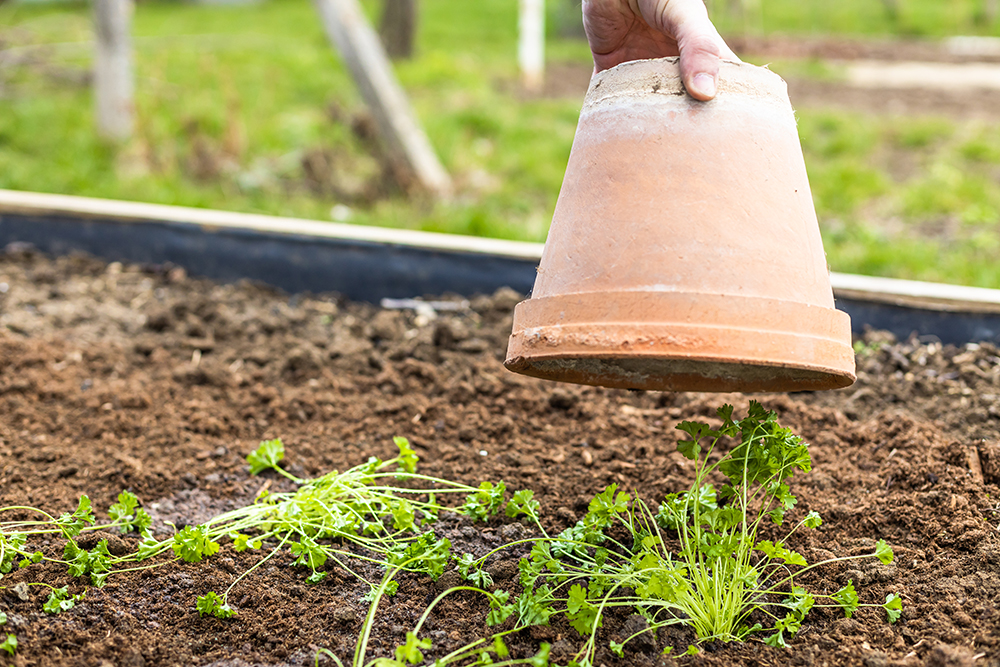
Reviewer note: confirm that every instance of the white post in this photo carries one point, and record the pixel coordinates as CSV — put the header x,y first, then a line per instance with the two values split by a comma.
x,y
531,43
113,84
408,146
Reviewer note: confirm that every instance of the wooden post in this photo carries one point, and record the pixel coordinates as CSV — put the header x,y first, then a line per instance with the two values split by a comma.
x,y
113,84
570,19
991,8
531,43
413,157
399,25
892,10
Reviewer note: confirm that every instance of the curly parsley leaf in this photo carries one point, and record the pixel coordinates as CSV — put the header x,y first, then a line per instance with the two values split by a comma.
x,y
485,502
541,659
407,457
500,611
11,547
893,607
72,524
403,516
884,552
60,600
535,608
269,454
847,598
524,503
211,604
424,554
194,543
582,614
308,552
410,652
243,542
96,562
605,505
772,550
500,648
9,644
128,515
480,577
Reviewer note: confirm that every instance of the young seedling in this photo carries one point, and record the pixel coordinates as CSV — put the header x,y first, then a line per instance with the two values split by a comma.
x,y
719,575
360,515
696,561
9,643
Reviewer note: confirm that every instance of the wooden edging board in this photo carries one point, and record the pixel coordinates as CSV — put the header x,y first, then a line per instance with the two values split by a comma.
x,y
372,263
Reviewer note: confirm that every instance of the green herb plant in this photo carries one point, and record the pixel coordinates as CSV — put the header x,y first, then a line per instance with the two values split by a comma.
x,y
9,643
360,515
697,560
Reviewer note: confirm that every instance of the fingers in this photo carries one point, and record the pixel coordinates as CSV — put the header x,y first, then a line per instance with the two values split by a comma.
x,y
698,41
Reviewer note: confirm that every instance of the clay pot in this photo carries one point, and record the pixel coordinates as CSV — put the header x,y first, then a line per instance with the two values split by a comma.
x,y
684,252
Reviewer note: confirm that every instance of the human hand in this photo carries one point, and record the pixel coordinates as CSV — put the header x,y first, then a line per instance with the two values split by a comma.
x,y
623,30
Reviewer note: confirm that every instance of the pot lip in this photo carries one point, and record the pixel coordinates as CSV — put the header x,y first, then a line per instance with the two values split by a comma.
x,y
652,78
562,337
777,377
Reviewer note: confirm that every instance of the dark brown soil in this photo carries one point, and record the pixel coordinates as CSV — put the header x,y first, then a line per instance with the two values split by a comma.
x,y
133,377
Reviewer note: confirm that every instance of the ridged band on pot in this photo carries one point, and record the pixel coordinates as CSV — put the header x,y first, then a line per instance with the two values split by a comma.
x,y
684,252
681,342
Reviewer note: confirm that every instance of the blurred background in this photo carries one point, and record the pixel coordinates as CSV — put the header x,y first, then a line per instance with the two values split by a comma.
x,y
245,106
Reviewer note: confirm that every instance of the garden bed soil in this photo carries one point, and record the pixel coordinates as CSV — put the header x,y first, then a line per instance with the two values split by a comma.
x,y
126,377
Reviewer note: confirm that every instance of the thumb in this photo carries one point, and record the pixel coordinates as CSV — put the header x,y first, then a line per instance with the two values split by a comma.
x,y
699,44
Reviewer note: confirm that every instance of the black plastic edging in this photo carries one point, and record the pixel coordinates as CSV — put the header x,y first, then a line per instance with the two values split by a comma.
x,y
370,271
359,270
954,328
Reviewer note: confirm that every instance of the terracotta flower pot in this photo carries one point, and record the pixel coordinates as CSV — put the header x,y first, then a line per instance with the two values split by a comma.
x,y
684,252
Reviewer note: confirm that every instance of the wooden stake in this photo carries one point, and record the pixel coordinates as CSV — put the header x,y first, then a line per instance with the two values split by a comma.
x,y
531,44
113,85
991,8
413,157
398,28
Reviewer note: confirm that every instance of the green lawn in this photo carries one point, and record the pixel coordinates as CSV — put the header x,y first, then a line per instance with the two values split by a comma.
x,y
247,108
931,18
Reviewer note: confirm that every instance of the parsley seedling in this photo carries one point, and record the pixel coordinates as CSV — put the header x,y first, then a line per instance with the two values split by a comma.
x,y
720,574
9,644
60,600
211,604
379,512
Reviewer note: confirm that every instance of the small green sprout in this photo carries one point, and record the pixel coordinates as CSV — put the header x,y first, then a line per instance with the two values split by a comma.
x,y
893,607
60,600
268,455
9,644
211,604
411,652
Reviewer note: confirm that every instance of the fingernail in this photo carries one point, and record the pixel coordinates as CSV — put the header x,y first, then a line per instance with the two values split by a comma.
x,y
704,84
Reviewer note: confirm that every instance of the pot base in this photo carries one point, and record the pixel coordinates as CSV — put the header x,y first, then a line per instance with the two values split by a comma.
x,y
672,341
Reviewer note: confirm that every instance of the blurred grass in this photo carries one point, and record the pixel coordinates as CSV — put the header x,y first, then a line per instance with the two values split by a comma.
x,y
910,18
907,197
247,108
233,100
